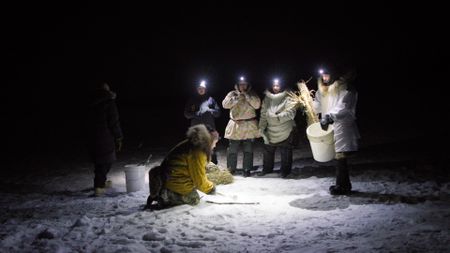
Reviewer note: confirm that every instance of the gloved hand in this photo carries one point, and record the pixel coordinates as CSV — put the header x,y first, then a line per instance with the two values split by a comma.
x,y
118,143
271,114
213,191
235,95
325,121
264,136
201,111
203,108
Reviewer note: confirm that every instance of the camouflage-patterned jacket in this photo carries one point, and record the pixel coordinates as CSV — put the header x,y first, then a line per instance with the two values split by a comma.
x,y
243,123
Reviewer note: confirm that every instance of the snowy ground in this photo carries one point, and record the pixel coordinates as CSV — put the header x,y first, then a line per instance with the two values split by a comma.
x,y
396,207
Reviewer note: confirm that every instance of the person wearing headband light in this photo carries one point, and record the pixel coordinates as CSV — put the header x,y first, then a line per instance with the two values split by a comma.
x,y
277,127
202,108
242,128
335,102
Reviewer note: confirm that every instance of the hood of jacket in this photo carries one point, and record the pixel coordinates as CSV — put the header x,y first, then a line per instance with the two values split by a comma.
x,y
276,97
200,138
333,88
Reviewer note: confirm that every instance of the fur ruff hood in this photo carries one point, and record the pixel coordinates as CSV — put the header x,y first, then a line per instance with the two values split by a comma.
x,y
278,96
200,138
333,88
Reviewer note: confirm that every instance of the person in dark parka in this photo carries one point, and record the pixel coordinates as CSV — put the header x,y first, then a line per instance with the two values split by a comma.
x,y
203,109
104,134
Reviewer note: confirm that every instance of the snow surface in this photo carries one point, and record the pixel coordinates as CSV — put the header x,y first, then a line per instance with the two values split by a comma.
x,y
389,212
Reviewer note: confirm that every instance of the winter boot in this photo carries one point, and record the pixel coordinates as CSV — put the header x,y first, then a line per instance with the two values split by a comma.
x,y
247,163
286,161
268,160
263,173
232,156
99,192
246,173
108,184
343,185
154,203
232,163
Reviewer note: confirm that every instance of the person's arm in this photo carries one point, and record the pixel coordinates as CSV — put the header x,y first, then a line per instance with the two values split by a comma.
x,y
345,107
230,100
263,121
253,100
197,161
317,104
113,120
189,110
289,113
263,116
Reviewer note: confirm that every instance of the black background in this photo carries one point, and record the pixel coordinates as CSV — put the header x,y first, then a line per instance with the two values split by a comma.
x,y
153,56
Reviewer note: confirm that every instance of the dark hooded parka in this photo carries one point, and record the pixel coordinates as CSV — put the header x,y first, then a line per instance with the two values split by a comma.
x,y
103,127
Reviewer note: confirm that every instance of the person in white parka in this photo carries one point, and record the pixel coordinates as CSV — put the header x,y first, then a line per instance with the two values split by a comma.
x,y
277,127
336,101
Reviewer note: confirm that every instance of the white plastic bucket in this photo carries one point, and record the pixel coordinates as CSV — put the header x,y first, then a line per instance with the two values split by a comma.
x,y
322,142
134,177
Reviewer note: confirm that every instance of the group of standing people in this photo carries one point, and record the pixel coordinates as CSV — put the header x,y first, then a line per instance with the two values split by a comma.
x,y
334,102
276,123
183,171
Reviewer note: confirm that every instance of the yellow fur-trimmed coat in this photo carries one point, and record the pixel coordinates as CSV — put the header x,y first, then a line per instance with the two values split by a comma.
x,y
243,123
187,162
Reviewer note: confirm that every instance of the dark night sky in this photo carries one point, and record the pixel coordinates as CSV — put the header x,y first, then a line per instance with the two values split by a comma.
x,y
152,56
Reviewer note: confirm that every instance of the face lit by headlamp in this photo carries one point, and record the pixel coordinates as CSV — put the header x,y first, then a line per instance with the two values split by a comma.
x,y
201,89
276,87
325,75
243,86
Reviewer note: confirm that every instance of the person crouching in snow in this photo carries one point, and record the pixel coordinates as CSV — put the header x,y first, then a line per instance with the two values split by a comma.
x,y
183,171
336,103
203,109
242,126
104,134
277,127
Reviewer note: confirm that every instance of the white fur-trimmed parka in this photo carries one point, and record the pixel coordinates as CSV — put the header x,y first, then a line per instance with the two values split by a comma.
x,y
340,103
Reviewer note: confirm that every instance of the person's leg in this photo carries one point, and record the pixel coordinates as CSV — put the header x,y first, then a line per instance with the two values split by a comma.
x,y
248,157
343,185
214,156
191,198
101,170
232,153
286,160
171,198
268,159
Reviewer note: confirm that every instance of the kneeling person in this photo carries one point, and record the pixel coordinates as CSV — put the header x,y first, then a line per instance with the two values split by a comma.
x,y
183,171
